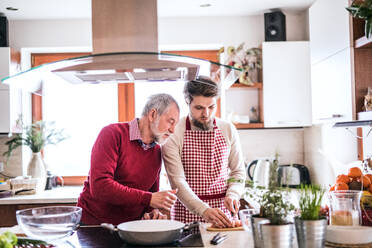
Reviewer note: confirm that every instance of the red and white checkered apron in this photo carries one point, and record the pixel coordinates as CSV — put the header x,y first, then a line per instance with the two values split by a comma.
x,y
205,163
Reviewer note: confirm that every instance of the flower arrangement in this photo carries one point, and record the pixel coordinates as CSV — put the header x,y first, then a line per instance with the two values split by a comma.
x,y
310,202
250,60
363,9
36,136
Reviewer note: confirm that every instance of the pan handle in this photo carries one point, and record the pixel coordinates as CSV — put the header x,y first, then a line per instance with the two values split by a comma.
x,y
110,227
191,225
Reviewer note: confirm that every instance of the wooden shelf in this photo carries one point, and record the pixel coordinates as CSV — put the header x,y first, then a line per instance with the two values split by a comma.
x,y
254,86
363,42
248,125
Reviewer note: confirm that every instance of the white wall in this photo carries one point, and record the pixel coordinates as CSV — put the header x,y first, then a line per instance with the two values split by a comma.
x,y
172,31
328,151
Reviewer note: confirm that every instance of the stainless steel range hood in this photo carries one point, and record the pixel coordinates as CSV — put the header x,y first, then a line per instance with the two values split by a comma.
x,y
122,30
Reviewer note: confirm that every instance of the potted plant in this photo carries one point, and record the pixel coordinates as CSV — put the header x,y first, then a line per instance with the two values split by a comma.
x,y
250,60
310,224
36,136
363,9
272,227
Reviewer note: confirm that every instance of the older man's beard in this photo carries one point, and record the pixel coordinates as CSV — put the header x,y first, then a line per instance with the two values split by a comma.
x,y
156,135
203,126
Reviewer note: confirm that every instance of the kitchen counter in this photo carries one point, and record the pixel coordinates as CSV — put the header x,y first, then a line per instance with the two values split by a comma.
x,y
235,239
101,238
66,194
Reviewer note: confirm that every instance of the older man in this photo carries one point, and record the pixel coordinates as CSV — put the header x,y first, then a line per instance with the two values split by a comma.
x,y
200,157
125,164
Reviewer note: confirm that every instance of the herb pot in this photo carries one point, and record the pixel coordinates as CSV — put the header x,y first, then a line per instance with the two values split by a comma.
x,y
310,233
256,221
277,236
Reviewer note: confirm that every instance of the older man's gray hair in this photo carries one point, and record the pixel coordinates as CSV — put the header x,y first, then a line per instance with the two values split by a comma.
x,y
160,102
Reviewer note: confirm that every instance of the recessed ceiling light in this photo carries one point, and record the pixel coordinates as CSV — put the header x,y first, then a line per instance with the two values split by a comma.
x,y
11,8
205,5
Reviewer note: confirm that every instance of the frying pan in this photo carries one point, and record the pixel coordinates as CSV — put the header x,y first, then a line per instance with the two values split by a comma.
x,y
150,232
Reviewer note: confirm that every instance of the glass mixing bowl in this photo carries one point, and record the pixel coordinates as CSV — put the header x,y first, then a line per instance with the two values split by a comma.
x,y
49,223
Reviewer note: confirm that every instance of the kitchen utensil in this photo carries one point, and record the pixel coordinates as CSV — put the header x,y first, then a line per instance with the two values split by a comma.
x,y
49,223
293,175
259,172
224,229
345,207
217,239
150,232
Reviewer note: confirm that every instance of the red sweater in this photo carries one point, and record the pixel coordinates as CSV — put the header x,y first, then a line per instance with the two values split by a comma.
x,y
121,177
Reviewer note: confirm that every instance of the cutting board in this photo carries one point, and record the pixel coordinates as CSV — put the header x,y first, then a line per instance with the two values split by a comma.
x,y
214,229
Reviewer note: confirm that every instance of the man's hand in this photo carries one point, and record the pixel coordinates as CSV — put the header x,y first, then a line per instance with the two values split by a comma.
x,y
232,205
216,217
163,199
155,214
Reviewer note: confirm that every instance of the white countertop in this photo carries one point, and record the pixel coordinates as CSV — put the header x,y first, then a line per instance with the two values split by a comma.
x,y
66,194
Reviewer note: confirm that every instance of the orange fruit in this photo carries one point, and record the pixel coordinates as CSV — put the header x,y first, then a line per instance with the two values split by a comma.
x,y
369,176
341,186
332,188
366,181
355,172
343,179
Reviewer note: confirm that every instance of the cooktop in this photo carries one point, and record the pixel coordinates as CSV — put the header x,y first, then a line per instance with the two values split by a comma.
x,y
101,237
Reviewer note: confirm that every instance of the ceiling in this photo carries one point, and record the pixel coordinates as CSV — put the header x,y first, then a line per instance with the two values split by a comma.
x,y
81,9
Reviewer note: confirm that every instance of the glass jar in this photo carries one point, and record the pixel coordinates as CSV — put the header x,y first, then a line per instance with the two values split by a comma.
x,y
345,208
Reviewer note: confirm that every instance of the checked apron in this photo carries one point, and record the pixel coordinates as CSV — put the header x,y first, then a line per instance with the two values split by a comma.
x,y
205,163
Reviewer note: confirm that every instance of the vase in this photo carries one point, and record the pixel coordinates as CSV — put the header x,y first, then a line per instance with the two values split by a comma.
x,y
256,221
36,169
311,233
277,236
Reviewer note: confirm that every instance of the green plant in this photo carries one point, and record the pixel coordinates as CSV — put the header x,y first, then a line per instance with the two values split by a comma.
x,y
362,9
36,136
273,203
310,201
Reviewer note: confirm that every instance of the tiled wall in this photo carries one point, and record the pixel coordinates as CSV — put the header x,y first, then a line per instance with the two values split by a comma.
x,y
14,165
261,143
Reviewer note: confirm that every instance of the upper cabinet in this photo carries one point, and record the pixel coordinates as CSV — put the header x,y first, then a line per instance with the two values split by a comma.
x,y
286,84
10,97
329,28
341,62
331,62
332,88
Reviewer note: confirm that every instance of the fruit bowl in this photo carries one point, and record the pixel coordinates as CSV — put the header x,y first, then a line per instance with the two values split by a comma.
x,y
49,223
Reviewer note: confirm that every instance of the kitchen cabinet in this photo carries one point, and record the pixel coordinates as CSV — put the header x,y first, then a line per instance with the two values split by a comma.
x,y
331,64
328,36
331,88
10,97
286,84
340,44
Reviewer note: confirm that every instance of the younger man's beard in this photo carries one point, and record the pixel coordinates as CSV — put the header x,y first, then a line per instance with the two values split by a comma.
x,y
203,126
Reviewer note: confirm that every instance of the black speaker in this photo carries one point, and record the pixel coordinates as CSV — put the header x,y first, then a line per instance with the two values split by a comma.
x,y
275,26
4,39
